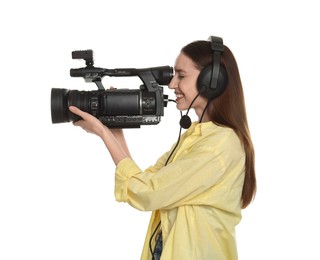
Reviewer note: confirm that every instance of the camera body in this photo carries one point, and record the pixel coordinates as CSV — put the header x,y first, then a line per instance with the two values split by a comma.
x,y
115,108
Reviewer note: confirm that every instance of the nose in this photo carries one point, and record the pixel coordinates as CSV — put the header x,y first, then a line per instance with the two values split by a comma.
x,y
173,83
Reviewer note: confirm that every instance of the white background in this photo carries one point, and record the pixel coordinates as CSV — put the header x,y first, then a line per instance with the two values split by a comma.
x,y
56,181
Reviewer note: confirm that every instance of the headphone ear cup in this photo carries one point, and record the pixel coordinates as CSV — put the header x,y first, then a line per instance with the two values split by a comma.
x,y
204,80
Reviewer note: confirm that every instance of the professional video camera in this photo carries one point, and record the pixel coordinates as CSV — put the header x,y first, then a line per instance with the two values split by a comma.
x,y
115,108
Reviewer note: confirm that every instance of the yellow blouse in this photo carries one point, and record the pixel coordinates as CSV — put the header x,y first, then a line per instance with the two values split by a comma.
x,y
196,196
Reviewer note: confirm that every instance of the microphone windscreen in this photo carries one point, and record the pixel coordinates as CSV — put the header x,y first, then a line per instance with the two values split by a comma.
x,y
185,122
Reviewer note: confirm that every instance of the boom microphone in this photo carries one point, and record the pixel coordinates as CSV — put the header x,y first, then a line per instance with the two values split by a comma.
x,y
185,121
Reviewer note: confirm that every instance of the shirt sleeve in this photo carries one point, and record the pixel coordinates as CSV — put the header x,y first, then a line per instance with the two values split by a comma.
x,y
190,175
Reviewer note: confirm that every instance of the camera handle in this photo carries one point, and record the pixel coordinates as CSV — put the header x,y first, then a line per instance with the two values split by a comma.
x,y
151,77
98,82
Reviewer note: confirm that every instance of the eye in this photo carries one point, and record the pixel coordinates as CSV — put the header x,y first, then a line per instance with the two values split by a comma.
x,y
180,75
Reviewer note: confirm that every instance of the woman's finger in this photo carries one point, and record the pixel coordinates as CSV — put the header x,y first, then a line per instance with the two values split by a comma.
x,y
77,111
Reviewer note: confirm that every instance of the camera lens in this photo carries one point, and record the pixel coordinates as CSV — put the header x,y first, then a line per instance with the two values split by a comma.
x,y
61,99
59,113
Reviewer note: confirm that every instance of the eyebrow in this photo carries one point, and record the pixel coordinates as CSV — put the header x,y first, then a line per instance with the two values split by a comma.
x,y
180,70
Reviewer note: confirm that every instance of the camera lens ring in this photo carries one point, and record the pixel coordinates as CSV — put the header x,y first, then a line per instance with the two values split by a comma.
x,y
59,105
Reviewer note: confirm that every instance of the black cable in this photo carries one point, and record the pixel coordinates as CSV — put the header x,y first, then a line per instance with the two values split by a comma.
x,y
154,232
150,246
175,146
178,137
204,110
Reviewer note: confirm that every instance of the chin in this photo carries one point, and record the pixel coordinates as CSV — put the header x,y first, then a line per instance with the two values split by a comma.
x,y
181,107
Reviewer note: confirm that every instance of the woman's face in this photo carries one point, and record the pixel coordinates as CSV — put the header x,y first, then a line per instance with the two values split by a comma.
x,y
184,84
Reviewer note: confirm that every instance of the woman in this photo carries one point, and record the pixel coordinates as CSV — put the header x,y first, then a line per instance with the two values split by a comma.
x,y
197,189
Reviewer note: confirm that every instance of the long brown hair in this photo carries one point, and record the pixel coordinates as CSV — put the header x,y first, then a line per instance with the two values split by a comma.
x,y
229,108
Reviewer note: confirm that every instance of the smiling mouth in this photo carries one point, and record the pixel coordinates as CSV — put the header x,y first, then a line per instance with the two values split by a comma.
x,y
179,96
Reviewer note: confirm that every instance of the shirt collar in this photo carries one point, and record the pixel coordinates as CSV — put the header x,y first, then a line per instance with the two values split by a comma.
x,y
197,128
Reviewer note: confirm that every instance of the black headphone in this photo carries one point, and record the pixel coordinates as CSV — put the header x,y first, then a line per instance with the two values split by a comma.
x,y
213,79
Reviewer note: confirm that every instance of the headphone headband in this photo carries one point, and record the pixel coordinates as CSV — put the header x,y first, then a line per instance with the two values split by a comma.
x,y
216,43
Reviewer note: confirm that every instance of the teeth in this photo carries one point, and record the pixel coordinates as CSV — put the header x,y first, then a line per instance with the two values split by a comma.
x,y
179,95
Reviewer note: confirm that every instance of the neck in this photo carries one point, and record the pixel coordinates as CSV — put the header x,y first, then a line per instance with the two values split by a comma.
x,y
203,114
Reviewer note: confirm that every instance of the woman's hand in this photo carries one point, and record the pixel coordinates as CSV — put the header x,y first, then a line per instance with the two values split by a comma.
x,y
88,122
113,139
